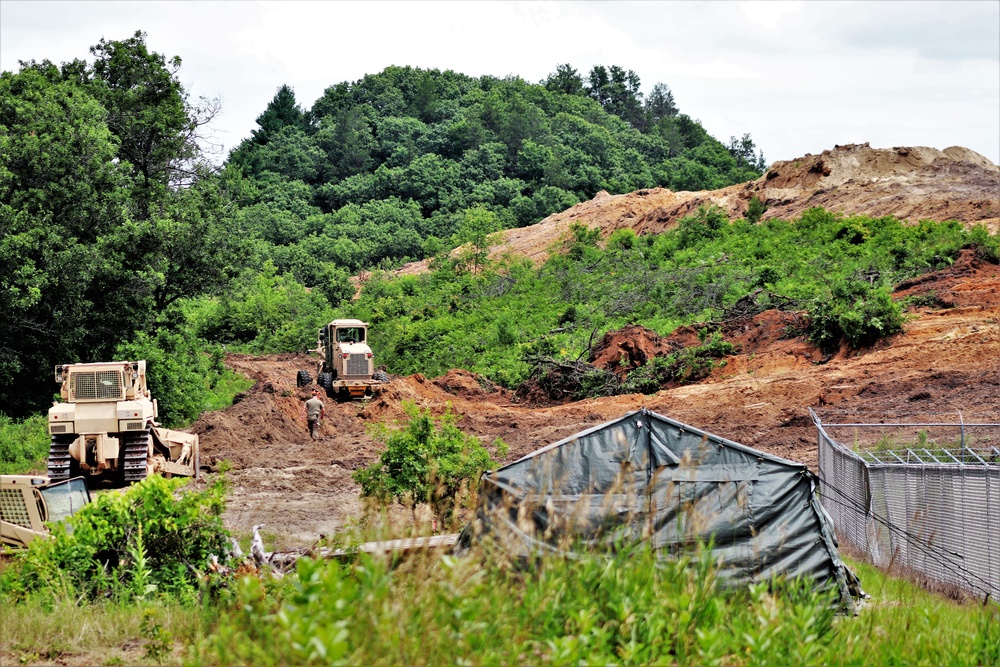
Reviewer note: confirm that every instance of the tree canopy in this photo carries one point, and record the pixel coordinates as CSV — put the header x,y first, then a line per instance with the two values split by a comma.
x,y
107,215
449,143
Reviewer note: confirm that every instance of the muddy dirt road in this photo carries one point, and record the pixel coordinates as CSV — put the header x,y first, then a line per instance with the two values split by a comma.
x,y
947,360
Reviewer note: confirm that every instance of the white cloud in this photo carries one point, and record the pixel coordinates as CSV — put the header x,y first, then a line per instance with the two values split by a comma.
x,y
768,14
799,76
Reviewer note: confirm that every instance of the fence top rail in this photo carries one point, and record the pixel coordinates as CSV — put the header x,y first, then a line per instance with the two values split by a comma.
x,y
946,458
882,424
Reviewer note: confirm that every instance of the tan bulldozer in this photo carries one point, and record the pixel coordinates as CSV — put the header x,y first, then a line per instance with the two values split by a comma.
x,y
27,502
106,427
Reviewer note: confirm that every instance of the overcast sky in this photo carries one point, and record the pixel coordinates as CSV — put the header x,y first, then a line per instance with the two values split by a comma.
x,y
799,76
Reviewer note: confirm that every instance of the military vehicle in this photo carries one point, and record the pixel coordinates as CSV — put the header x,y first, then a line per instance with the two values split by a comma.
x,y
345,368
28,501
106,429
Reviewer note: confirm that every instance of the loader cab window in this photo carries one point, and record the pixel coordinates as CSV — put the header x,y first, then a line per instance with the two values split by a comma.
x,y
351,335
65,498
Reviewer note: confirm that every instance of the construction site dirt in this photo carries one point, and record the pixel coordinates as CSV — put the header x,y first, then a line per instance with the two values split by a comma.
x,y
947,359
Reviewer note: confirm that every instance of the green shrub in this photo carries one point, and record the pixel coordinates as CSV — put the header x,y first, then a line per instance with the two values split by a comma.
x,y
425,460
703,225
269,313
24,445
857,313
150,539
755,209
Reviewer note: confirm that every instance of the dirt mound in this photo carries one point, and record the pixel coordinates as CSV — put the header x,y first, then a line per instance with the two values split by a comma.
x,y
469,385
970,281
626,349
911,183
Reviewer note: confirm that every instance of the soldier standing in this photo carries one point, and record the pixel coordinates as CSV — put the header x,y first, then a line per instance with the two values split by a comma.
x,y
315,411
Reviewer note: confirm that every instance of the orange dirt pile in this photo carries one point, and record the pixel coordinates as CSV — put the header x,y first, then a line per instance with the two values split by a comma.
x,y
910,183
626,349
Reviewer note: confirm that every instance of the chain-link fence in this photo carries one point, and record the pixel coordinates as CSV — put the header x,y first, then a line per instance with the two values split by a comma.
x,y
919,495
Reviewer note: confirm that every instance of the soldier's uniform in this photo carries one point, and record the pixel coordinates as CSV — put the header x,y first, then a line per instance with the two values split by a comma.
x,y
314,412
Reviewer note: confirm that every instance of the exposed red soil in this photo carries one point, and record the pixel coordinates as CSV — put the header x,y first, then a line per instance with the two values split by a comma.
x,y
626,349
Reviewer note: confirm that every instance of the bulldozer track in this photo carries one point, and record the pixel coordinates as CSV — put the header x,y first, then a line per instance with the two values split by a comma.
x,y
59,457
136,452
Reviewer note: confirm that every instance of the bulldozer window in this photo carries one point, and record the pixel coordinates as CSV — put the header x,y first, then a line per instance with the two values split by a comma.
x,y
65,498
351,335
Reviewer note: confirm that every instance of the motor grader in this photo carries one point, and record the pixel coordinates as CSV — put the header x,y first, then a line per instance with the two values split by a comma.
x,y
106,427
27,502
345,367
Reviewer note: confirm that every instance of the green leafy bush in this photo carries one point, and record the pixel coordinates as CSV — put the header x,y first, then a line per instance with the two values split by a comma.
x,y
755,209
425,460
152,538
270,313
24,445
857,313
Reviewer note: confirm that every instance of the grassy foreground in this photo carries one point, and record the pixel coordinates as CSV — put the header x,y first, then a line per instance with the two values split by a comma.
x,y
486,611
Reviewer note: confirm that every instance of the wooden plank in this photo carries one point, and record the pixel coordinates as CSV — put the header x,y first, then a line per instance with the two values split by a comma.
x,y
446,543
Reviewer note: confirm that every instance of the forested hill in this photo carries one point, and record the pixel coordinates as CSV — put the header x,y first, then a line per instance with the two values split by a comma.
x,y
385,168
118,238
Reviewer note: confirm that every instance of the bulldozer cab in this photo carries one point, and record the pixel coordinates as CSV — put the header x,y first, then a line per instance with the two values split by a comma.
x,y
27,502
86,383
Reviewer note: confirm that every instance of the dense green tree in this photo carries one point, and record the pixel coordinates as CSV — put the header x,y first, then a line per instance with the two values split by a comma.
x,y
61,196
618,91
282,111
477,234
106,217
565,80
149,111
746,153
660,104
348,142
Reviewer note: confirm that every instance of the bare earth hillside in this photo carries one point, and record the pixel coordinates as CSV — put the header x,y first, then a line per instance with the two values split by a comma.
x,y
948,358
914,183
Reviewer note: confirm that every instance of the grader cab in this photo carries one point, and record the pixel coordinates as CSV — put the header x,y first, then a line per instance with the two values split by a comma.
x,y
345,367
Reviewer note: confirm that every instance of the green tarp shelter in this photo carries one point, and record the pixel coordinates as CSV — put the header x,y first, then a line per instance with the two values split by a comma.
x,y
647,477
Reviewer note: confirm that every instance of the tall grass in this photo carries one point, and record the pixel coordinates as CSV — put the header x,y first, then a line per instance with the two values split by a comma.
x,y
103,634
629,609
